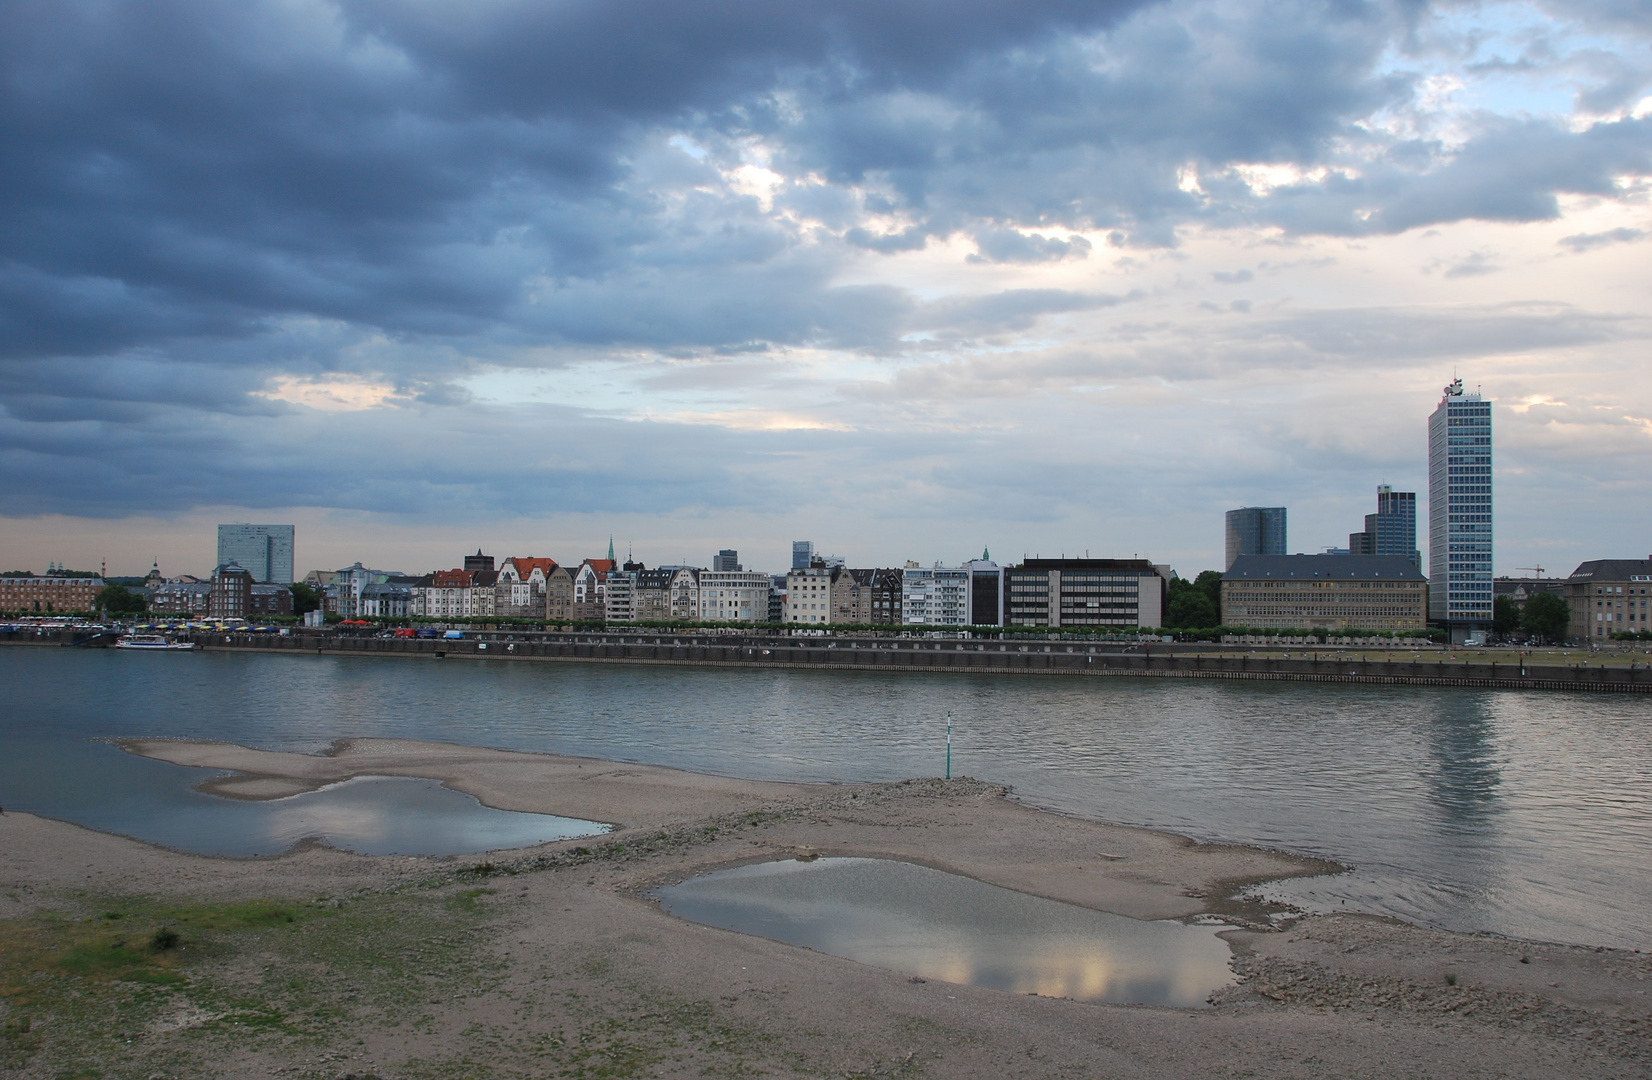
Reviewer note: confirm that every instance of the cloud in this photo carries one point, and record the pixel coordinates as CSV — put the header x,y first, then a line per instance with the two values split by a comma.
x,y
243,243
1581,242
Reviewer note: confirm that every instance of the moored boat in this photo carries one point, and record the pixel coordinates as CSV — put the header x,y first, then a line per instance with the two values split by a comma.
x,y
153,643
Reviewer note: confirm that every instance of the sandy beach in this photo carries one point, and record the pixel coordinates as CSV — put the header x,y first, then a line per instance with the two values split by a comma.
x,y
553,961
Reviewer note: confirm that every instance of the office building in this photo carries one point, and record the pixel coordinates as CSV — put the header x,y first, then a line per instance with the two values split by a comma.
x,y
726,562
1120,593
1392,530
986,591
1610,596
1325,592
1460,512
1255,530
478,562
264,551
803,553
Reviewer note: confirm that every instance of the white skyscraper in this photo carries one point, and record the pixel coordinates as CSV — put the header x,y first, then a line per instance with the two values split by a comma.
x,y
1459,511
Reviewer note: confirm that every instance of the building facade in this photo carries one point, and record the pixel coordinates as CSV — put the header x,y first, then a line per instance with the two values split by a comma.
x,y
264,551
809,594
1392,530
1610,596
727,561
803,553
267,599
986,591
1460,511
523,588
188,598
734,596
386,601
590,590
41,593
1325,592
935,595
1255,530
1119,593
231,596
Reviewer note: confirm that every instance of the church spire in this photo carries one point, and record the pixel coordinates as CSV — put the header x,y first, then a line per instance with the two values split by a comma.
x,y
610,547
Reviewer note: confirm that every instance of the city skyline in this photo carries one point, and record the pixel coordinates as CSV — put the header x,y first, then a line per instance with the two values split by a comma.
x,y
1032,277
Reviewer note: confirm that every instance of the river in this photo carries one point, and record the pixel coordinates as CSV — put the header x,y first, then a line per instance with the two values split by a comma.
x,y
1520,813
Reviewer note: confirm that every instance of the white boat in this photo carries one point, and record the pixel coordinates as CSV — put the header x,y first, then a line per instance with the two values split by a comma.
x,y
152,643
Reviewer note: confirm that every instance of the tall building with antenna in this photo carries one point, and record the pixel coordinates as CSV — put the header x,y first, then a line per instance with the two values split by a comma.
x,y
1460,512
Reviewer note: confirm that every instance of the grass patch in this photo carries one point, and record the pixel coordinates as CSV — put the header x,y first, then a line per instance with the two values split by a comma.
x,y
169,988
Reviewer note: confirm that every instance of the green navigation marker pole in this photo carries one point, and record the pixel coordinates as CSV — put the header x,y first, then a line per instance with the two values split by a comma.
x,y
949,746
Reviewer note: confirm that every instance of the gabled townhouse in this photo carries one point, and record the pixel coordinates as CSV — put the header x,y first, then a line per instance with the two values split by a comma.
x,y
522,588
590,587
685,593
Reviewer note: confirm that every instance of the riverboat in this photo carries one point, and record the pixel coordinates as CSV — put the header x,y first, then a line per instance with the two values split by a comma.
x,y
153,643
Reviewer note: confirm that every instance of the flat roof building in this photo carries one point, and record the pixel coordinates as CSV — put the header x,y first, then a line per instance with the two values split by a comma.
x,y
264,551
1459,511
1120,593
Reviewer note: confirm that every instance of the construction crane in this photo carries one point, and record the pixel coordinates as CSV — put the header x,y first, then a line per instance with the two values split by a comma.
x,y
1538,569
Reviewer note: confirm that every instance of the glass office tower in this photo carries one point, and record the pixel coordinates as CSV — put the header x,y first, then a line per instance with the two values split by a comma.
x,y
265,551
1459,511
1255,530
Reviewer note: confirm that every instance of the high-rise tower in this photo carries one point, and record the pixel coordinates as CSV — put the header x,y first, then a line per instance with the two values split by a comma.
x,y
1459,511
1255,530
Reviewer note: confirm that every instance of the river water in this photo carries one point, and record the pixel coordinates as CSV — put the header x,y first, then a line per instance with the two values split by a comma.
x,y
1521,813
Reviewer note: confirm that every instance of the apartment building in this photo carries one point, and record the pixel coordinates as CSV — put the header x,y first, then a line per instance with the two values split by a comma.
x,y
522,590
935,595
733,596
231,596
1325,592
590,590
1610,596
48,592
809,593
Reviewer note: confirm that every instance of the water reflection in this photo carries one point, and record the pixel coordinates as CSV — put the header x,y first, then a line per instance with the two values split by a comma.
x,y
1463,782
942,926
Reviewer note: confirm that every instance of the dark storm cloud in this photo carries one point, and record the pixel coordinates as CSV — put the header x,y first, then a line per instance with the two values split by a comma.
x,y
197,198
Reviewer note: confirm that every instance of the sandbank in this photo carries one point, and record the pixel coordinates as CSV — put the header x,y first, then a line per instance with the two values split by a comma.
x,y
588,974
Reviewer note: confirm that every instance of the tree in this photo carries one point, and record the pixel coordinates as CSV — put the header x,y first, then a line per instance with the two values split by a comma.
x,y
305,599
1211,582
1191,606
119,600
1547,616
1505,616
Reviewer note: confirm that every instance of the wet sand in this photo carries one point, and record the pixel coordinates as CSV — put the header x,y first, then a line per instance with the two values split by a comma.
x,y
578,943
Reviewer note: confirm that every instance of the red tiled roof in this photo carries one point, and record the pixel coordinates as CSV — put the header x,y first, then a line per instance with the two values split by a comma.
x,y
526,565
601,566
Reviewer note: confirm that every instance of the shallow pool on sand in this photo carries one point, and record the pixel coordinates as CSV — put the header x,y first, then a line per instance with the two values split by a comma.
x,y
942,926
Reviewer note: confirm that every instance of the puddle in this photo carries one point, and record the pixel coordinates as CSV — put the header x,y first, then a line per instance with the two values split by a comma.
x,y
942,926
398,815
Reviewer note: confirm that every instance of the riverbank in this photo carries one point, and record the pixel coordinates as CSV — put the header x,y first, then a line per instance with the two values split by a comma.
x,y
1621,670
553,960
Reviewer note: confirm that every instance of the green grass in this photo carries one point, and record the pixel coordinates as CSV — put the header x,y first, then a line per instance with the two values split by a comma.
x,y
168,988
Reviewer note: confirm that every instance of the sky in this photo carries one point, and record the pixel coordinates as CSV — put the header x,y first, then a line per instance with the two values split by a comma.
x,y
909,278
